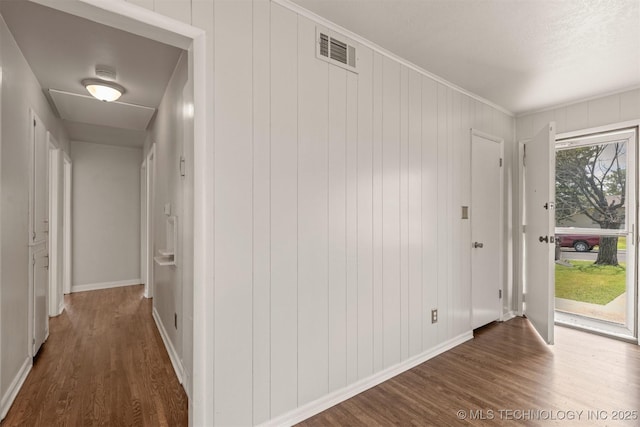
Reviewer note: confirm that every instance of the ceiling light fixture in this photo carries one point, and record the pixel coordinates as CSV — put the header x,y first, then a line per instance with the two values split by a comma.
x,y
103,90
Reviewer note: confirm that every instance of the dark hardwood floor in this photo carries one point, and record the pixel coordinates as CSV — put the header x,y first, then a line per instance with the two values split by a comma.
x,y
104,364
507,376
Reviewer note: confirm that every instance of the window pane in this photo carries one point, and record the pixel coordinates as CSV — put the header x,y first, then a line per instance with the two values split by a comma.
x,y
591,186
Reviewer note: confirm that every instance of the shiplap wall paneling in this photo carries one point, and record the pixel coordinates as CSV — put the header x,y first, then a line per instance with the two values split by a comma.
x,y
337,228
234,223
390,211
261,212
352,227
365,213
630,105
148,4
404,213
607,110
457,147
176,9
284,205
314,283
378,307
443,196
464,265
429,217
414,206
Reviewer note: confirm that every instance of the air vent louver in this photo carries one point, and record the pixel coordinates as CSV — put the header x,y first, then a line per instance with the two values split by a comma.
x,y
336,52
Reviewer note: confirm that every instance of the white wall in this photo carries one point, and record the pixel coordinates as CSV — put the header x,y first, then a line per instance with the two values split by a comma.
x,y
20,91
337,214
170,282
106,215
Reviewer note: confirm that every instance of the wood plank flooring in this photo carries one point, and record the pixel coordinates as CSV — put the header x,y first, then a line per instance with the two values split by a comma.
x,y
104,364
507,376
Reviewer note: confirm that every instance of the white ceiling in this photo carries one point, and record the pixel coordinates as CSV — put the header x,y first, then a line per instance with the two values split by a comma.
x,y
62,49
520,54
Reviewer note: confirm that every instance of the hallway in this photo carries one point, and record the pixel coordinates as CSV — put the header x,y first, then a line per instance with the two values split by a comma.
x,y
104,363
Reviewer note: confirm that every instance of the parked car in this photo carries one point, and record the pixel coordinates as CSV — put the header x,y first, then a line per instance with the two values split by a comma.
x,y
580,243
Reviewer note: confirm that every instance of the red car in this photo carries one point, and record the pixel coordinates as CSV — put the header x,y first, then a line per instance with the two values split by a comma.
x,y
579,242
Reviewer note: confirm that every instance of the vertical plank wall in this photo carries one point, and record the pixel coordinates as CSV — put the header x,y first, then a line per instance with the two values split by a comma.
x,y
337,213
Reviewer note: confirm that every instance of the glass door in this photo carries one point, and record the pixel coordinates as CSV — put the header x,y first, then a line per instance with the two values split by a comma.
x,y
595,286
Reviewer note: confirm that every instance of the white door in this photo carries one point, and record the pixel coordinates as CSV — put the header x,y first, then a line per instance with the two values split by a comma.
x,y
539,248
486,229
38,245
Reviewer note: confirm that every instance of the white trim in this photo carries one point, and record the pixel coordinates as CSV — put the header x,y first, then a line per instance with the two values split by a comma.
x,y
508,316
67,173
150,184
501,220
15,386
104,285
171,350
579,101
325,402
53,176
364,42
599,129
520,284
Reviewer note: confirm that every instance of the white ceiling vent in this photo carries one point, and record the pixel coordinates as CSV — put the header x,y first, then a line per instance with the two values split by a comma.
x,y
336,51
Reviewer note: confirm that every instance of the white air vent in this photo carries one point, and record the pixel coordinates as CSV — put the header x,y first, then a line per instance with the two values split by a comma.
x,y
336,51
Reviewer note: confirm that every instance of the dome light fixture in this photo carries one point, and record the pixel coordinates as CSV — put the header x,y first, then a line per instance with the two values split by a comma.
x,y
103,90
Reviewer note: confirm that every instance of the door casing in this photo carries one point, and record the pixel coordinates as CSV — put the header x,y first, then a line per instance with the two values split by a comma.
x,y
480,301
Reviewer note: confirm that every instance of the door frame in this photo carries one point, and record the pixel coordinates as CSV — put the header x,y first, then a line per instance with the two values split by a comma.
x,y
501,219
631,124
521,156
129,17
150,183
66,225
143,223
55,288
36,247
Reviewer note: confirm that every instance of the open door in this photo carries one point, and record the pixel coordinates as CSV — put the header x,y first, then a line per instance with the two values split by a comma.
x,y
539,231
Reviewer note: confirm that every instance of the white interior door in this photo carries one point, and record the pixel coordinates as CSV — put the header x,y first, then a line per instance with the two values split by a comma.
x,y
539,222
486,229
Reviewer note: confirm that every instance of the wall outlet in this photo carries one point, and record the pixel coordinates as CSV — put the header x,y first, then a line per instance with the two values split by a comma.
x,y
434,315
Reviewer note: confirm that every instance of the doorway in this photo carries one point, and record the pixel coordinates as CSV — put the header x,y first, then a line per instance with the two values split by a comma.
x,y
595,227
486,227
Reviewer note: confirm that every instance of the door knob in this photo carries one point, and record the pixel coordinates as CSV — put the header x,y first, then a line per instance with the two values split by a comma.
x,y
478,245
543,239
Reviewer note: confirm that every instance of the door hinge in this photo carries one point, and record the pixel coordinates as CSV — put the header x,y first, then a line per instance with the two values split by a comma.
x,y
33,260
500,293
34,122
524,228
33,235
524,155
500,161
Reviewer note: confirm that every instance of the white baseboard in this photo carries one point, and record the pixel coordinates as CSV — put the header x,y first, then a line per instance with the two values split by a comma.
x,y
312,408
61,307
173,354
104,285
15,386
508,316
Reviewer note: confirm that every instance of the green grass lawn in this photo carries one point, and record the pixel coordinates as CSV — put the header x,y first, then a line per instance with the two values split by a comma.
x,y
587,282
622,243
